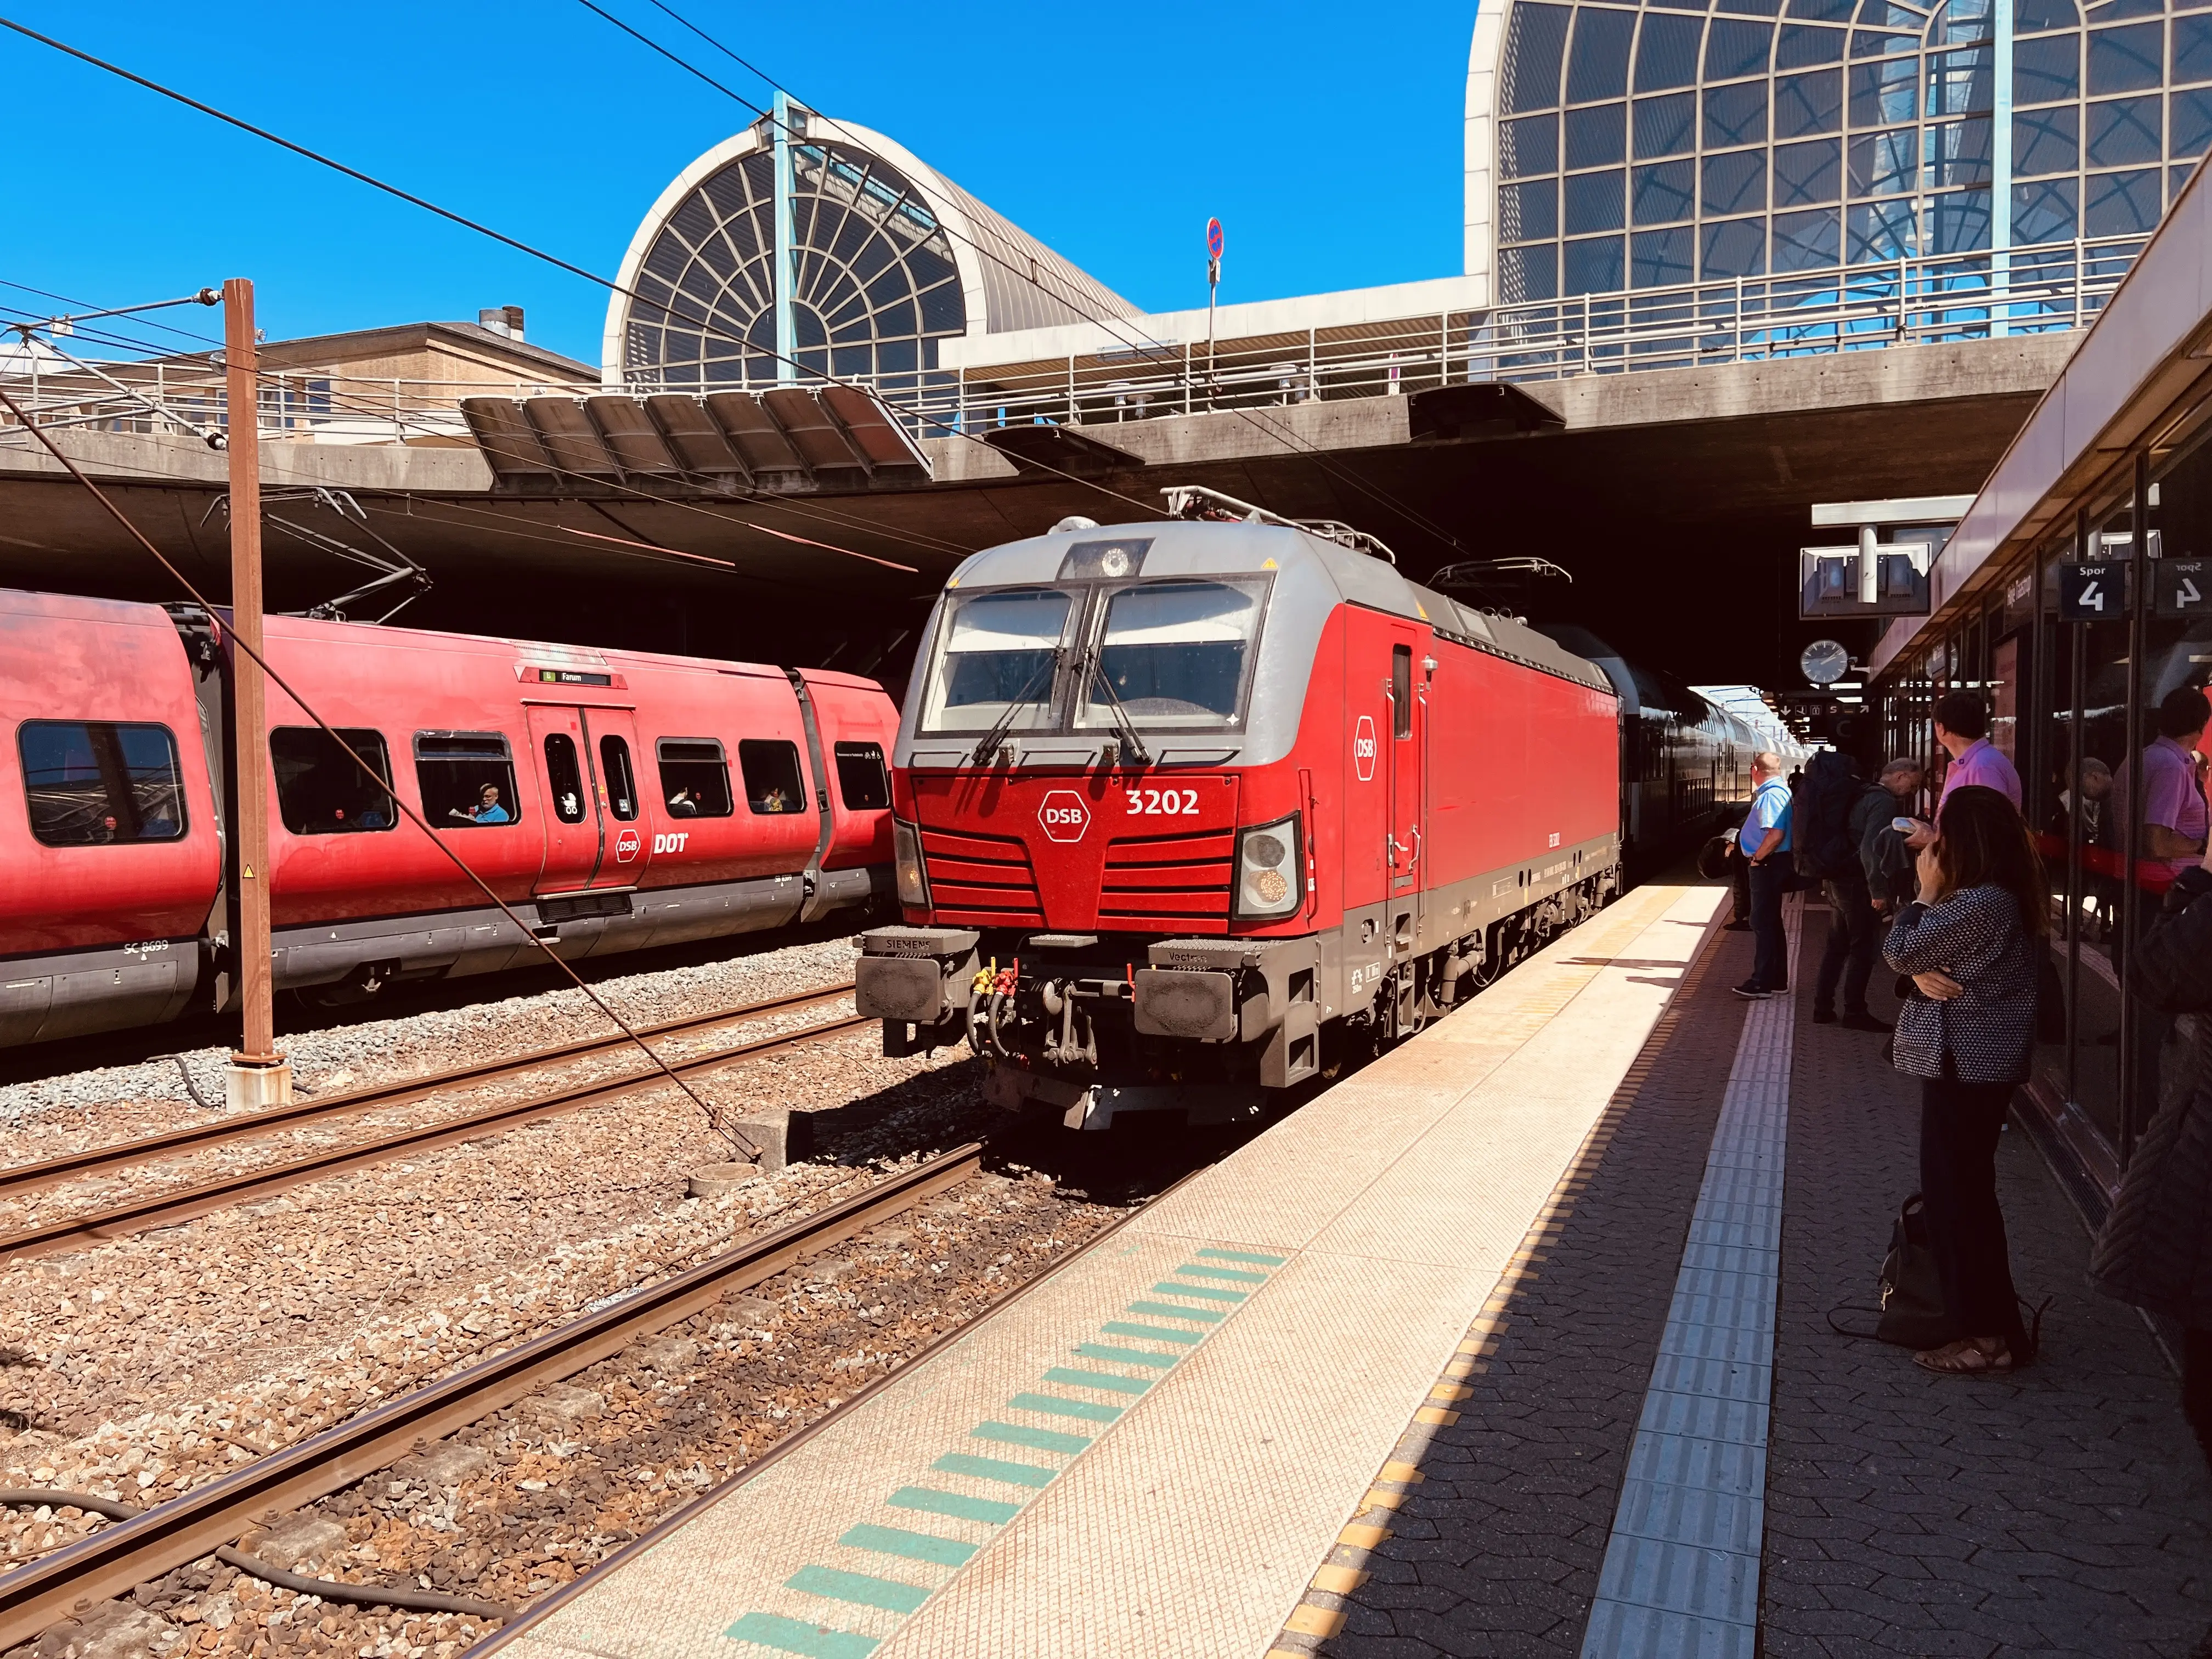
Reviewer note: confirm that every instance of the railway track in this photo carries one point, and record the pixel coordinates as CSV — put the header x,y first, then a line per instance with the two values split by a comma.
x,y
111,1562
176,1205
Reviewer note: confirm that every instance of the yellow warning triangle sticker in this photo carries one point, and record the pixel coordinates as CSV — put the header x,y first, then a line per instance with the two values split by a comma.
x,y
246,873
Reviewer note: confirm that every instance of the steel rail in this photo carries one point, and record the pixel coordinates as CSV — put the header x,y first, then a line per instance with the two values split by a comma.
x,y
111,1562
180,1204
24,1178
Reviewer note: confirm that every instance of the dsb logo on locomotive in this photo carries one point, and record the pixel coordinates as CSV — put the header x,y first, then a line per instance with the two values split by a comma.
x,y
1064,816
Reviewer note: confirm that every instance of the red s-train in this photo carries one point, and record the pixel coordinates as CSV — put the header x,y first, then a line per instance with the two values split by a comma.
x,y
1183,810
613,799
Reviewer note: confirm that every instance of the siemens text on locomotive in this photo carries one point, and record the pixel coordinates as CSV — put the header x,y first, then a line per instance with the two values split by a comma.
x,y
1185,812
612,799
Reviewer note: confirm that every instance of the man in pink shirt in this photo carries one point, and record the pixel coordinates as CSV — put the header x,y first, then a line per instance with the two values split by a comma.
x,y
1962,727
2173,817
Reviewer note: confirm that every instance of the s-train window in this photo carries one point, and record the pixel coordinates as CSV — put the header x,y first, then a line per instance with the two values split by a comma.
x,y
695,777
93,783
564,774
771,770
1173,653
467,780
862,783
319,789
615,774
996,658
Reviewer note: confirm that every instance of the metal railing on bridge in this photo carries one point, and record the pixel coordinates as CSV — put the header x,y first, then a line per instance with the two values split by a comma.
x,y
2055,286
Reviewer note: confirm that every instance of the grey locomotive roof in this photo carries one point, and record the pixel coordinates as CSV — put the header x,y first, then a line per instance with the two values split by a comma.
x,y
1213,548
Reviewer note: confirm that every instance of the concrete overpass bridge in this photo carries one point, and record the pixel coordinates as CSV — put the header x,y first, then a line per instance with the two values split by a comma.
x,y
1672,493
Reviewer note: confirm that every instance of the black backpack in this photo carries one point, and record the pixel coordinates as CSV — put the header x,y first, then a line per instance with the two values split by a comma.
x,y
1820,831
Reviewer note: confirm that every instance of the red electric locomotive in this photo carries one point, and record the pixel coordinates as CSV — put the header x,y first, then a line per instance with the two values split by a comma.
x,y
1184,810
612,799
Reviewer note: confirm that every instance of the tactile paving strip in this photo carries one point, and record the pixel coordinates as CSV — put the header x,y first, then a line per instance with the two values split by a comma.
x,y
1681,1569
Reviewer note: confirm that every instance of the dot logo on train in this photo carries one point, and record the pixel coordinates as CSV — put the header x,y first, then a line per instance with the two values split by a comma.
x,y
1064,816
1363,749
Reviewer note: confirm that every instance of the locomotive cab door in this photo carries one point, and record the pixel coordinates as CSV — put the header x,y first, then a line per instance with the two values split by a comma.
x,y
1407,749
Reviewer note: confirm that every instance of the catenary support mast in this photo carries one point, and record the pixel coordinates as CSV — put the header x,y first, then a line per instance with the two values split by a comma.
x,y
257,1075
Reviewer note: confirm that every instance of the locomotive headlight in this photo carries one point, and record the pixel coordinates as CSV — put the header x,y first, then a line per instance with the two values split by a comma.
x,y
913,879
1270,872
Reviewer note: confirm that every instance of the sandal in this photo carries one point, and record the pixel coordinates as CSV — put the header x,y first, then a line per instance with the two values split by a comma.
x,y
1966,1357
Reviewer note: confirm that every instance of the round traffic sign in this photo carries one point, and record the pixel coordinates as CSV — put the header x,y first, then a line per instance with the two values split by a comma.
x,y
1825,662
1214,238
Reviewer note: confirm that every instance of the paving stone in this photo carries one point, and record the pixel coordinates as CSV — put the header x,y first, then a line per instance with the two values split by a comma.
x,y
1531,1471
2060,1509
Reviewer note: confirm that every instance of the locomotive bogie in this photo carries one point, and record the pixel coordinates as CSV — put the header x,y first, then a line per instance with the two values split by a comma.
x,y
610,799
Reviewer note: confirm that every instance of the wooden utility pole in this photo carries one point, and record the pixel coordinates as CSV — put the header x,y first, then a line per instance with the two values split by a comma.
x,y
259,1075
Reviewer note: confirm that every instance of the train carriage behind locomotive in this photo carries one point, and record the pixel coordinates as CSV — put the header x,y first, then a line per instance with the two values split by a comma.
x,y
1180,810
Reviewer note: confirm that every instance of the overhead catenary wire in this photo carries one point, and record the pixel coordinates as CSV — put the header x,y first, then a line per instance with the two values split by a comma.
x,y
707,325
736,1138
1147,348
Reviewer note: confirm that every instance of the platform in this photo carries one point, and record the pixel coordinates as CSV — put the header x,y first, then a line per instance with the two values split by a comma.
x,y
1498,1346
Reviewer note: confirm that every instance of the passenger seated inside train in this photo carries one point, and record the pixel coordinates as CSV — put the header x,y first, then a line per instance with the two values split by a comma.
x,y
487,808
681,805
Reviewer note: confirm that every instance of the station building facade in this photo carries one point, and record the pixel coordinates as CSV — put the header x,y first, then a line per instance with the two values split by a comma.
x,y
1615,147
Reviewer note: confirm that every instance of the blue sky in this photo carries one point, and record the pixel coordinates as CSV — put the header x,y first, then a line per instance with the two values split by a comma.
x,y
1330,149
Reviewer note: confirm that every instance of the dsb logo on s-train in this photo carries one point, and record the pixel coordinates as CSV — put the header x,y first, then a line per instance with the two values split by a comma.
x,y
1063,816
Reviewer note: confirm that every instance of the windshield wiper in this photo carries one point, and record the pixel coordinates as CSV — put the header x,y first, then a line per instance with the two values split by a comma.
x,y
988,745
1125,729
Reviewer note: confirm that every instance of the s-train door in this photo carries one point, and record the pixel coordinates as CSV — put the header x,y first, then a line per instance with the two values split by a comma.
x,y
570,818
585,758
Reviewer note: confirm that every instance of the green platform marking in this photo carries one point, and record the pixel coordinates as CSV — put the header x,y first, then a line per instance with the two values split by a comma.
x,y
894,1596
1013,1434
992,1468
931,1501
1098,1379
1053,1405
889,1593
790,1636
1162,1311
1210,1292
1127,1356
914,1546
1120,1327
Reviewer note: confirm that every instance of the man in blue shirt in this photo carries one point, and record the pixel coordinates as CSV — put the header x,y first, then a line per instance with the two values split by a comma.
x,y
487,808
1764,842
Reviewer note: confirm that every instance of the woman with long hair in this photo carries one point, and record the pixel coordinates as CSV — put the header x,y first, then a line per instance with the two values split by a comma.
x,y
1970,941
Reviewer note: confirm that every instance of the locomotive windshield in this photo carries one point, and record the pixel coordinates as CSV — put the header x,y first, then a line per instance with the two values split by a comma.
x,y
1173,653
997,657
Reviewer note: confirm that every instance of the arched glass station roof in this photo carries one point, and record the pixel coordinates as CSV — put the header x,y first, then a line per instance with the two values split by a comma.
x,y
889,258
1644,146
